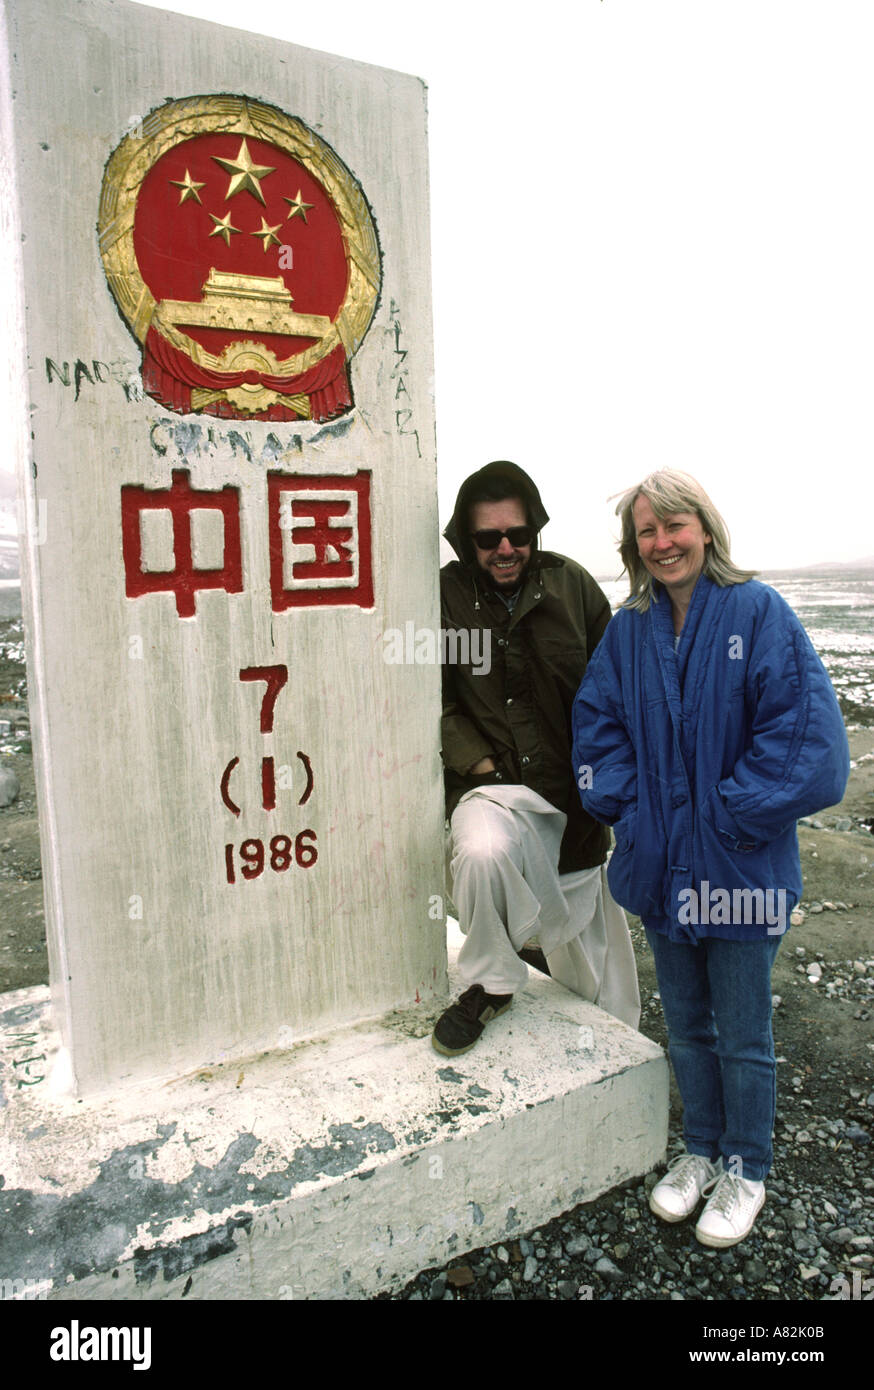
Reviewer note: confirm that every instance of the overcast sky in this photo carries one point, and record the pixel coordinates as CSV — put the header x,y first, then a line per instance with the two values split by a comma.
x,y
653,245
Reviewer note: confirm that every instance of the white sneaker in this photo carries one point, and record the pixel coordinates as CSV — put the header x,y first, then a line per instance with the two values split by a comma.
x,y
681,1189
731,1211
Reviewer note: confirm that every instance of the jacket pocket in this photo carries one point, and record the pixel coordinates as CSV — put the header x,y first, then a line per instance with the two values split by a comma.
x,y
721,825
635,873
726,858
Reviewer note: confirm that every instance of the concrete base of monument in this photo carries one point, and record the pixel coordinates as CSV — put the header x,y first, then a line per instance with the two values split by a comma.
x,y
337,1167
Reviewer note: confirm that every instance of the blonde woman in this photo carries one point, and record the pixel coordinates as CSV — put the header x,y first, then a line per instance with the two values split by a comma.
x,y
704,728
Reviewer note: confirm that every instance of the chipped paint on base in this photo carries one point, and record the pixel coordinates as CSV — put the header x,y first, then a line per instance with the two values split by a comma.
x,y
335,1169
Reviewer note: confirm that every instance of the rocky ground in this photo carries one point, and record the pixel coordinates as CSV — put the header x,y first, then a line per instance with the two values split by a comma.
x,y
815,1237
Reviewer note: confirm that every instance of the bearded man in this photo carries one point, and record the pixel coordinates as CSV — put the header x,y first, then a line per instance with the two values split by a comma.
x,y
524,857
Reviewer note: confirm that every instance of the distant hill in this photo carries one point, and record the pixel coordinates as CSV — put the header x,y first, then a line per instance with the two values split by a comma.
x,y
827,567
835,567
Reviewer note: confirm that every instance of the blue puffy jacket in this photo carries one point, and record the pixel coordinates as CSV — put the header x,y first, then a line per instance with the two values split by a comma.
x,y
702,759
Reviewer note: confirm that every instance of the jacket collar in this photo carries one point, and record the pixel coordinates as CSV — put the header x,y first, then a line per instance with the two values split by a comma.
x,y
681,668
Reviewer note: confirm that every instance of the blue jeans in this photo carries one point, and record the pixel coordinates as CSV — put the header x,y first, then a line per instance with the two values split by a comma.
x,y
716,998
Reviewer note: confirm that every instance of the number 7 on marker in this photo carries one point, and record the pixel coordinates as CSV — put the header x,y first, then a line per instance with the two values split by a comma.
x,y
276,677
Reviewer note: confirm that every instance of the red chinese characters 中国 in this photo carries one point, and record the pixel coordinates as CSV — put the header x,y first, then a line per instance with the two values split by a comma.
x,y
320,540
183,580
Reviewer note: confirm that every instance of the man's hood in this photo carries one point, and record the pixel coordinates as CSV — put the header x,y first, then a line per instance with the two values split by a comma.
x,y
520,486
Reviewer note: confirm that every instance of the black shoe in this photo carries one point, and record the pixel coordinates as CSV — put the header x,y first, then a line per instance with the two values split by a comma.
x,y
460,1026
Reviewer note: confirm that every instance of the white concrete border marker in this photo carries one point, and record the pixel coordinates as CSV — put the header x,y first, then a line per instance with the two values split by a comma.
x,y
264,1181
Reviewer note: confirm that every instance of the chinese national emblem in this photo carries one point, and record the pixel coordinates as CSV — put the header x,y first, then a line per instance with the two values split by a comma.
x,y
242,255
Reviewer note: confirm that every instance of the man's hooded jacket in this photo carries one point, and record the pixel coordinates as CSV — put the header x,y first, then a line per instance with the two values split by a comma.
x,y
519,711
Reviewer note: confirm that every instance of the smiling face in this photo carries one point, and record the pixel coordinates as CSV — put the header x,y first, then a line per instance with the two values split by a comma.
x,y
672,548
506,565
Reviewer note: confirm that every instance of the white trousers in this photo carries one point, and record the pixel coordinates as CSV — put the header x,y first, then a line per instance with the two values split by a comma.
x,y
503,870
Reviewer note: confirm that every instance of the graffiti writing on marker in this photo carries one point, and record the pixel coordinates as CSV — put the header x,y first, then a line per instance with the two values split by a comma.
x,y
96,373
188,439
400,377
24,1043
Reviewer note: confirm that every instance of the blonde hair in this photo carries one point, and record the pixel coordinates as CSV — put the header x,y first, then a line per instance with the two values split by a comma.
x,y
669,491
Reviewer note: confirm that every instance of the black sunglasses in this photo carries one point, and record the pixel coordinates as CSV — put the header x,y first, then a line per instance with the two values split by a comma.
x,y
518,536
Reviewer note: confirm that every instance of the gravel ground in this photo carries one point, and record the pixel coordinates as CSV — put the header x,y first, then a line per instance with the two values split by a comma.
x,y
809,1240
815,1231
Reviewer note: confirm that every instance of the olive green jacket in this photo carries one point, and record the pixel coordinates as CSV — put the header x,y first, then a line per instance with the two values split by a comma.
x,y
519,713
